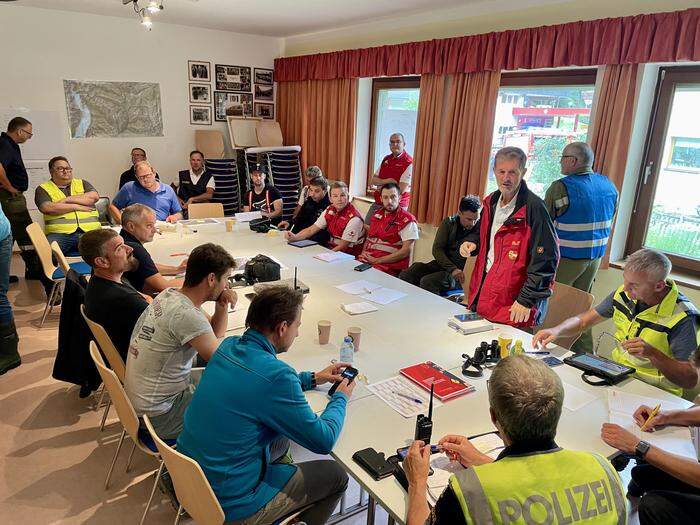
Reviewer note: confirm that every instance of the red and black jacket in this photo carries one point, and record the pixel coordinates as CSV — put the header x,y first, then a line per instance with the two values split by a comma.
x,y
526,255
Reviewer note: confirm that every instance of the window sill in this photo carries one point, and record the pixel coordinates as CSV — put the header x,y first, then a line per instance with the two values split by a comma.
x,y
364,198
679,277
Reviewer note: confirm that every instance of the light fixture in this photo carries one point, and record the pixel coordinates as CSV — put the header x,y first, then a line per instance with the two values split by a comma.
x,y
144,13
146,21
154,6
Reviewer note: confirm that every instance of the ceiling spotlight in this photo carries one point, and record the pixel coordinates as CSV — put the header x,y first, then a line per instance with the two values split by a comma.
x,y
154,6
146,21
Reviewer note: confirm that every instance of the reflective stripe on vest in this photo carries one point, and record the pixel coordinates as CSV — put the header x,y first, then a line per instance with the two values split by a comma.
x,y
559,486
653,325
70,221
584,228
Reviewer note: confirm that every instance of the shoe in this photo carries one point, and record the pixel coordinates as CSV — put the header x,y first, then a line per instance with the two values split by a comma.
x,y
14,279
85,391
165,484
9,357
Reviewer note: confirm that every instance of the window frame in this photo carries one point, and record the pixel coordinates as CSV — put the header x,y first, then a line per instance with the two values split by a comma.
x,y
377,85
667,79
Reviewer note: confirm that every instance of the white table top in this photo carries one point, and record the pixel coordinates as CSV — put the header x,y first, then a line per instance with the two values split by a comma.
x,y
408,331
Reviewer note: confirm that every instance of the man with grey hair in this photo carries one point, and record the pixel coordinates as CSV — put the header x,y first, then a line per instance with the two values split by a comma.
x,y
532,480
582,205
139,227
518,251
396,167
656,326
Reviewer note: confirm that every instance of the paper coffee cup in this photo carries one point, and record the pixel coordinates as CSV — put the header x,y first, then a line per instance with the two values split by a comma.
x,y
324,332
229,225
355,333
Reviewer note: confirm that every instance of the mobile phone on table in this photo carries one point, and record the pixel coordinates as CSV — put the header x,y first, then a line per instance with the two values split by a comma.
x,y
469,316
362,267
552,361
401,452
349,373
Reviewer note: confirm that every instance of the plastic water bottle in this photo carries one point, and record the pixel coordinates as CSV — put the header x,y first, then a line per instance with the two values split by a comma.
x,y
347,350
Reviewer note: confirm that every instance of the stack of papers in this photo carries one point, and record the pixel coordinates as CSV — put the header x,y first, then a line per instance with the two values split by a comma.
x,y
676,440
383,295
358,308
333,256
248,216
358,287
405,404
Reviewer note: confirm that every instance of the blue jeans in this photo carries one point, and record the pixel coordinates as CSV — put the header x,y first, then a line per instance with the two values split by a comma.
x,y
5,258
68,242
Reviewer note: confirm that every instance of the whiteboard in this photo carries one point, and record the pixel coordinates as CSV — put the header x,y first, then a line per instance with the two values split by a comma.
x,y
38,171
48,127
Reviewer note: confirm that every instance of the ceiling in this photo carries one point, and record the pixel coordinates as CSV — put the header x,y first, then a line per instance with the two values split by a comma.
x,y
279,18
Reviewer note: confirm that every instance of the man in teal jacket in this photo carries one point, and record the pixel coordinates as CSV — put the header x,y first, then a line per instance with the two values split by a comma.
x,y
247,399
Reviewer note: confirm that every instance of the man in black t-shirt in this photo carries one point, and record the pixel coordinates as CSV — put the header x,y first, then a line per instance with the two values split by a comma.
x,y
138,227
263,197
137,155
315,204
109,300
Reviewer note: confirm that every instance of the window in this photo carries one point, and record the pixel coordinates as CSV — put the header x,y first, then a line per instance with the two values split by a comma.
x,y
394,110
540,113
667,206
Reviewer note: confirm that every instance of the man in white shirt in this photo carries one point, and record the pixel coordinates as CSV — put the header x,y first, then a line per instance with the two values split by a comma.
x,y
195,184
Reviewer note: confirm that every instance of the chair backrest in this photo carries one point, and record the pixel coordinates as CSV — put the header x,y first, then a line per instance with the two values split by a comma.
x,y
191,485
42,247
210,142
125,410
566,301
202,210
269,133
60,257
105,343
102,207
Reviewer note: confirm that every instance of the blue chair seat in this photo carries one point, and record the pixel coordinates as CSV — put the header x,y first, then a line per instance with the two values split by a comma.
x,y
80,267
147,440
453,292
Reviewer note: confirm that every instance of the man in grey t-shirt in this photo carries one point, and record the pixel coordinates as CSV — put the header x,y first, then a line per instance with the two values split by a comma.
x,y
170,332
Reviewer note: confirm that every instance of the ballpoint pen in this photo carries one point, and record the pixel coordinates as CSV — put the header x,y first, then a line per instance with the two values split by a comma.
x,y
406,396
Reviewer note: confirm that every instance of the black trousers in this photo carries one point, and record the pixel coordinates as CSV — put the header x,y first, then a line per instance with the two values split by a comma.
x,y
429,276
665,499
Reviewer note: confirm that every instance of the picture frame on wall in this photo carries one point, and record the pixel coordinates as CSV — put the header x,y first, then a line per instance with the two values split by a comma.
x,y
265,77
233,78
264,110
200,115
200,93
232,105
264,93
199,71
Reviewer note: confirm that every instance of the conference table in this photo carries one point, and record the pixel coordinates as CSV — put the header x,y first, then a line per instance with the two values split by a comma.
x,y
408,331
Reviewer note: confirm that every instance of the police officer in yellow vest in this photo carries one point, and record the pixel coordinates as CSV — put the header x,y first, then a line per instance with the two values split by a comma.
x,y
532,480
68,205
656,326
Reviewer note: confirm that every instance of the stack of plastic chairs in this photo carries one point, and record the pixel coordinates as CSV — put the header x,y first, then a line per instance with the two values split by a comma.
x,y
282,165
228,188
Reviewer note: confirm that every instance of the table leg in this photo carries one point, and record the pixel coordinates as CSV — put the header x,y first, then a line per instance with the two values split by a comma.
x,y
390,521
371,505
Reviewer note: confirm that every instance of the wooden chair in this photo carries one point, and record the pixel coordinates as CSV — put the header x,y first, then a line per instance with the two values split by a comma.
x,y
81,267
43,250
129,420
566,301
203,210
115,360
191,485
210,142
269,133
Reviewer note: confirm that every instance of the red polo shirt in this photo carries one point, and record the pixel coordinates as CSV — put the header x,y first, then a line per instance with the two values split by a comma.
x,y
399,169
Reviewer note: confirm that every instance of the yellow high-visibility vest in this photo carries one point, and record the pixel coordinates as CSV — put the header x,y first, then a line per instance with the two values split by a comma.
x,y
70,221
654,326
554,487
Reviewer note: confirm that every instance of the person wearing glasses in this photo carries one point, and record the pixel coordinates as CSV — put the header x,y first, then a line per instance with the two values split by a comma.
x,y
150,191
68,205
656,326
396,167
137,155
14,181
446,271
582,205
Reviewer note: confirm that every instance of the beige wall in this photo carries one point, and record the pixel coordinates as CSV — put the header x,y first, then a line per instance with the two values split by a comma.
x,y
473,18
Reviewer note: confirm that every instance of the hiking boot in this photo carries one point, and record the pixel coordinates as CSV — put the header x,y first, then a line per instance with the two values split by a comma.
x,y
9,357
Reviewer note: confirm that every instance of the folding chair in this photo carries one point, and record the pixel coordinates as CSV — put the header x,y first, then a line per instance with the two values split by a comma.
x,y
203,210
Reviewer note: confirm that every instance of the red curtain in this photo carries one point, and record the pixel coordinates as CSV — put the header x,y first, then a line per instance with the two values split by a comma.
x,y
658,37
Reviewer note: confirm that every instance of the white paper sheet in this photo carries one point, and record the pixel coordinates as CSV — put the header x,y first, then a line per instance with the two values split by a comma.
x,y
383,296
358,308
576,398
247,216
333,256
358,287
386,391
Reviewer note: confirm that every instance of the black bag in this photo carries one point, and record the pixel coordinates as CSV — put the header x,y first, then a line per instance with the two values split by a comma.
x,y
261,269
260,225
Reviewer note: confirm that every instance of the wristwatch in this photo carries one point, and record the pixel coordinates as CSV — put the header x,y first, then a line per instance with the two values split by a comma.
x,y
641,449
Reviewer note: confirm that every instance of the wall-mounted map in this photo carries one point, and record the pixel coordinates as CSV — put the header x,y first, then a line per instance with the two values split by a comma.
x,y
113,109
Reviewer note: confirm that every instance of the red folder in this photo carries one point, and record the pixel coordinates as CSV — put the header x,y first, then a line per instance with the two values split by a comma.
x,y
447,385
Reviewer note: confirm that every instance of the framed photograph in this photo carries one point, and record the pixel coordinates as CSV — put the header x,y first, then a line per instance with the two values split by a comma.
x,y
232,105
200,115
264,76
199,71
264,110
264,93
200,93
233,78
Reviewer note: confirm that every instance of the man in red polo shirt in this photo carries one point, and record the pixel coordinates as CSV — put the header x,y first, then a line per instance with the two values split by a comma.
x,y
396,167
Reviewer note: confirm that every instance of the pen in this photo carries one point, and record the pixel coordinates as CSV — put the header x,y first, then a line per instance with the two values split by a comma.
x,y
178,254
651,416
538,353
409,397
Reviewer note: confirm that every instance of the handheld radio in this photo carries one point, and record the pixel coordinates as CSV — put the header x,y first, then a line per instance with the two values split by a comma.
x,y
424,424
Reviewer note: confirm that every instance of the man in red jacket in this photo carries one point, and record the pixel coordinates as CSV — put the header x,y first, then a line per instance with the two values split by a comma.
x,y
519,249
396,167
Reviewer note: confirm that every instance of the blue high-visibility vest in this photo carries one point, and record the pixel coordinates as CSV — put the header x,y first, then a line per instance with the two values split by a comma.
x,y
584,228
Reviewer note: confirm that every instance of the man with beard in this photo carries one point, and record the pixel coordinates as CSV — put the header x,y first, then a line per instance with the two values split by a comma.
x,y
110,300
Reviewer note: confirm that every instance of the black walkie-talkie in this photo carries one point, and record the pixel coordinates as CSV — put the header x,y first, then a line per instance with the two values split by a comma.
x,y
424,424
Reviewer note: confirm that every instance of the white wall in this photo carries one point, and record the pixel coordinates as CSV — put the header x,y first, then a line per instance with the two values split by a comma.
x,y
42,47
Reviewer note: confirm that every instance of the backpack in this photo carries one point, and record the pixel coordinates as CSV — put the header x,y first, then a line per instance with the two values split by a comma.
x,y
261,269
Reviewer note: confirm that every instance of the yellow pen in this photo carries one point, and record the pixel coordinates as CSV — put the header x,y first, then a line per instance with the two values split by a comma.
x,y
651,416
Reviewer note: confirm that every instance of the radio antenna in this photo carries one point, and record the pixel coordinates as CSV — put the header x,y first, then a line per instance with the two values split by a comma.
x,y
295,278
430,409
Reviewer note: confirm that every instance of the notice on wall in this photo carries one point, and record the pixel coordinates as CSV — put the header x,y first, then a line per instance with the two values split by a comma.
x,y
48,128
38,171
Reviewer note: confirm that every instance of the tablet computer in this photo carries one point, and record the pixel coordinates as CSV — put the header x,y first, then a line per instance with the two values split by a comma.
x,y
302,244
600,367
